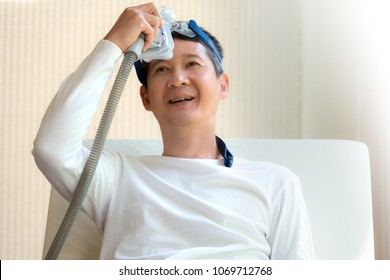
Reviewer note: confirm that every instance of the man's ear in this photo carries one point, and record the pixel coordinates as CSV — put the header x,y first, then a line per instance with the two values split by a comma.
x,y
143,92
224,86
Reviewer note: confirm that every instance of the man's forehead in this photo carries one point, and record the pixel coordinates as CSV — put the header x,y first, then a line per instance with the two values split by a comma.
x,y
186,49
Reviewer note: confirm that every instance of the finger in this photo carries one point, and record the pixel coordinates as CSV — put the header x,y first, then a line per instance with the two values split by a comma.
x,y
149,37
150,8
150,29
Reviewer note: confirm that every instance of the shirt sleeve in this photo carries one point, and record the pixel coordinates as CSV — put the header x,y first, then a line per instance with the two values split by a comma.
x,y
290,231
57,148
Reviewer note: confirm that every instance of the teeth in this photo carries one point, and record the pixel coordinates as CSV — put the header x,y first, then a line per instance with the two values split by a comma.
x,y
180,99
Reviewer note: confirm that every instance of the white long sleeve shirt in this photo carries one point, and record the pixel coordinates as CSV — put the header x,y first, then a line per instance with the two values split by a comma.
x,y
157,207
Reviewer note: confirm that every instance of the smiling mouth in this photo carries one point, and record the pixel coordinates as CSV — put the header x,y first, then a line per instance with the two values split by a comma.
x,y
180,99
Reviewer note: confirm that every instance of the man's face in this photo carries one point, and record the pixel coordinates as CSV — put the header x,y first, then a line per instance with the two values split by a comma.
x,y
184,90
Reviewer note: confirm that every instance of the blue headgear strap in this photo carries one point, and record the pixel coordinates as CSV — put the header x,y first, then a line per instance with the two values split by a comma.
x,y
206,39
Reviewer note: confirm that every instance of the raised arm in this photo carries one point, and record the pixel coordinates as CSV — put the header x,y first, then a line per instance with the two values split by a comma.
x,y
58,149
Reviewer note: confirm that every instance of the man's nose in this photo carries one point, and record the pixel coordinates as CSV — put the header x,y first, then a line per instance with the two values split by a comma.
x,y
178,78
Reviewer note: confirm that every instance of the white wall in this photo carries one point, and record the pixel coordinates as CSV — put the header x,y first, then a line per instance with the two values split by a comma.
x,y
346,87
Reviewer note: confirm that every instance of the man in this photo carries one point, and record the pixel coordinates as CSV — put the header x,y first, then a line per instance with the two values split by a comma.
x,y
194,201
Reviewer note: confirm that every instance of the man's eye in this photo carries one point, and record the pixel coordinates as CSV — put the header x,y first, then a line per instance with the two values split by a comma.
x,y
161,69
192,63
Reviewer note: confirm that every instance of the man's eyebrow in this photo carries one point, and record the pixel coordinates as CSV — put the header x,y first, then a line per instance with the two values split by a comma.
x,y
187,55
191,55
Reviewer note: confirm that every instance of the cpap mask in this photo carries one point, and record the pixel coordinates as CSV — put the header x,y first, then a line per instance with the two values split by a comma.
x,y
162,46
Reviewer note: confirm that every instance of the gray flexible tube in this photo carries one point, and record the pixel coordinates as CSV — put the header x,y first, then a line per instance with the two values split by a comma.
x,y
131,55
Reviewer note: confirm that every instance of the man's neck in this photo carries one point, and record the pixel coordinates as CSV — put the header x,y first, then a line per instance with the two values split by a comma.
x,y
186,142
